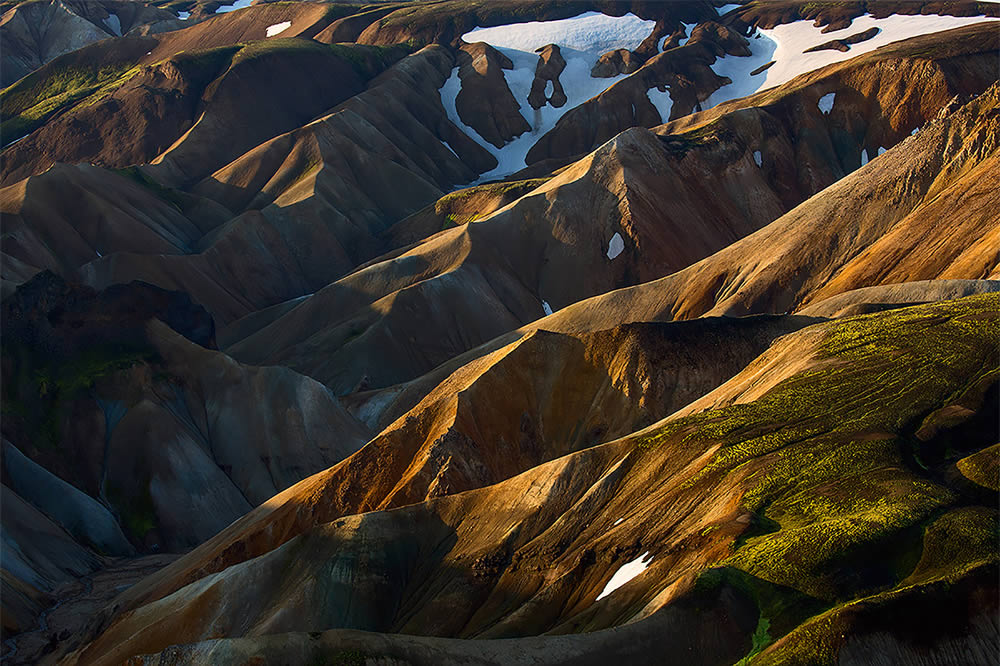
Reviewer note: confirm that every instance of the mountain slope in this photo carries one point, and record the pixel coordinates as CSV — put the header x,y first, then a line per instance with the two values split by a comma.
x,y
513,556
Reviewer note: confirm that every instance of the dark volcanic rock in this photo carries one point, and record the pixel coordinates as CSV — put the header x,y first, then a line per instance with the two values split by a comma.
x,y
62,319
550,66
613,63
485,103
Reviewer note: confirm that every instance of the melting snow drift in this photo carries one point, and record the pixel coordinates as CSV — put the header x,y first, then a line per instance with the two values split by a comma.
x,y
273,30
616,246
581,40
785,45
626,573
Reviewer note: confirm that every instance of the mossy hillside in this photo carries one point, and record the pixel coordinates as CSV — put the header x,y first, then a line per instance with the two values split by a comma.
x,y
33,100
959,547
454,208
57,88
830,464
982,468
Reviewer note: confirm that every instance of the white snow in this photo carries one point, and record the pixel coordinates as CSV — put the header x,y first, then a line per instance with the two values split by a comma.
x,y
546,308
617,522
785,44
549,88
688,27
826,102
627,572
758,158
659,45
881,150
864,157
616,246
273,30
662,101
448,146
239,4
917,129
114,24
98,253
591,32
184,16
725,9
581,40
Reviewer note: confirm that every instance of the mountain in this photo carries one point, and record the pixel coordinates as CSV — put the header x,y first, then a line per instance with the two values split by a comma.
x,y
443,331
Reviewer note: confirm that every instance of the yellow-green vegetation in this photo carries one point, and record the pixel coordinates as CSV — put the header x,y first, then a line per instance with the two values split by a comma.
x,y
167,194
983,468
833,469
137,511
28,103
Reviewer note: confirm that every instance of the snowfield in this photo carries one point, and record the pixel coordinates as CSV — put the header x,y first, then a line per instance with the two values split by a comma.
x,y
626,573
239,4
581,40
784,44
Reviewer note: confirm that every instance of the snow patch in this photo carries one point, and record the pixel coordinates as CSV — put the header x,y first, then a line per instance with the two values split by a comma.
x,y
549,88
590,32
184,16
917,129
659,44
662,101
785,45
758,158
616,246
239,4
688,27
114,24
825,103
546,308
864,157
617,522
581,39
625,573
725,9
881,150
448,146
273,30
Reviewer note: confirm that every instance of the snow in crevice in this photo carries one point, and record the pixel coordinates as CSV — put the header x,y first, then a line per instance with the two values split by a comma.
x,y
549,88
184,16
825,103
917,129
581,39
725,9
617,522
881,150
278,28
662,101
239,4
546,308
625,573
785,45
659,44
448,146
688,27
615,246
758,158
864,157
114,24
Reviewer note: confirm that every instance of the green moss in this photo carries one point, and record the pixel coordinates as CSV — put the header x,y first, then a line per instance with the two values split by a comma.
x,y
760,640
983,468
31,101
137,512
827,458
167,194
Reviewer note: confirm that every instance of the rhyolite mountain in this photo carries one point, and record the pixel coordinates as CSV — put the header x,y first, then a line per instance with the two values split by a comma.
x,y
460,332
